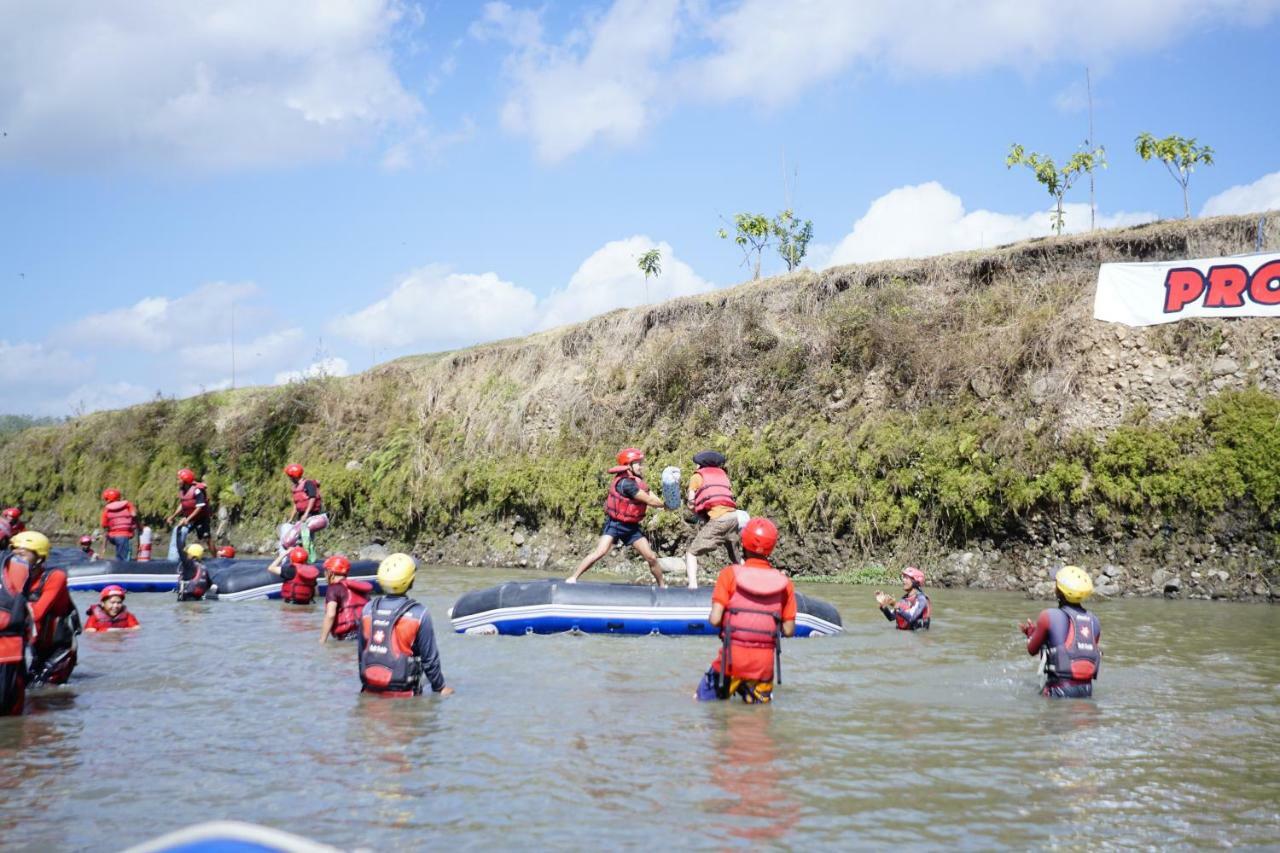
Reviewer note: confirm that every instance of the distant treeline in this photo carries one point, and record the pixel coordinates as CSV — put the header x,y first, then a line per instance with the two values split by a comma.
x,y
17,423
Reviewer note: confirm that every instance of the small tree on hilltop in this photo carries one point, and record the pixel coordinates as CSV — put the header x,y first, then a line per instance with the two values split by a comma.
x,y
650,264
1056,181
753,231
1180,156
793,237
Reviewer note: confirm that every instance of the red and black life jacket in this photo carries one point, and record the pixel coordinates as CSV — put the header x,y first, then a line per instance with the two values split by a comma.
x,y
100,620
14,621
920,622
619,507
301,588
1077,657
714,491
384,667
753,618
300,497
187,498
193,580
348,620
120,518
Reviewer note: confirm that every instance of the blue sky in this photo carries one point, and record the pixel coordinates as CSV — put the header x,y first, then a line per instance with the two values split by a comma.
x,y
372,178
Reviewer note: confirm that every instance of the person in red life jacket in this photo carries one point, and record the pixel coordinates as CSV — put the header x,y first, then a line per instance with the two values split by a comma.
x,y
110,614
711,499
624,508
193,513
754,606
227,552
17,629
86,548
57,622
913,611
308,506
120,520
1067,638
297,575
344,600
395,643
194,582
10,525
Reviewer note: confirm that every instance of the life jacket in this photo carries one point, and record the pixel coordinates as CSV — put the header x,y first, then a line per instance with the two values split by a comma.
x,y
348,619
100,620
384,667
1077,657
753,618
921,622
14,623
61,622
193,580
301,588
300,497
121,519
187,498
621,508
714,491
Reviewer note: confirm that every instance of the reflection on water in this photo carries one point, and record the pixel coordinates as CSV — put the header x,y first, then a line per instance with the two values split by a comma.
x,y
878,737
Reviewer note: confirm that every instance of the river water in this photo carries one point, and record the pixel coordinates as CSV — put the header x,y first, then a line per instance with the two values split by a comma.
x,y
877,737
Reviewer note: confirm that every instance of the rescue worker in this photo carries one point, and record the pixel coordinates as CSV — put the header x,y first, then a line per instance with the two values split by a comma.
x,y
298,576
10,525
53,613
1067,638
395,645
86,548
624,508
913,612
110,613
194,582
120,520
308,506
754,606
344,600
16,627
193,513
711,499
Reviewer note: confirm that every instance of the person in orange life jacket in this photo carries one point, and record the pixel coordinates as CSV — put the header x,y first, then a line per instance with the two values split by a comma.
x,y
110,614
86,548
17,626
10,525
753,605
57,622
308,506
711,499
299,577
1067,636
194,583
913,612
624,508
120,520
395,644
344,600
193,513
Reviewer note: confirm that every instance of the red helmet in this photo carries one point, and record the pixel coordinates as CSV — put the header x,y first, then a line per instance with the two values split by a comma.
x,y
12,513
226,551
298,555
759,536
108,591
917,576
86,540
293,469
111,494
338,564
627,455
186,476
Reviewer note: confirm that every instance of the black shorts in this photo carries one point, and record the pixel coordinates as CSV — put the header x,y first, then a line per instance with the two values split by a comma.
x,y
200,528
622,531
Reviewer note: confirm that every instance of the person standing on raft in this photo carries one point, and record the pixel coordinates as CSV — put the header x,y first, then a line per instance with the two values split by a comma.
x,y
628,500
913,612
1067,636
395,645
754,606
110,614
193,509
298,576
308,506
120,521
711,499
17,629
54,614
344,600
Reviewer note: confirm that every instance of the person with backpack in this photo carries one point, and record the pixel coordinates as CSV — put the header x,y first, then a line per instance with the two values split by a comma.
x,y
395,645
17,627
53,613
344,600
1067,638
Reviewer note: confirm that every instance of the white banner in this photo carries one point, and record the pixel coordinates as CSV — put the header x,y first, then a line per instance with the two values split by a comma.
x,y
1147,294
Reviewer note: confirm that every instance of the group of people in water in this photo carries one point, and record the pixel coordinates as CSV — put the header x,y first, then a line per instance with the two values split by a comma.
x,y
753,604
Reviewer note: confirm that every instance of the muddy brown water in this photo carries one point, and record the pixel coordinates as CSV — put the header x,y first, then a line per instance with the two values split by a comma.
x,y
233,710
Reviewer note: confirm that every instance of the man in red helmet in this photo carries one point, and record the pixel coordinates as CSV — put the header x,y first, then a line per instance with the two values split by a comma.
x,y
754,606
913,611
193,513
308,506
120,521
10,525
624,508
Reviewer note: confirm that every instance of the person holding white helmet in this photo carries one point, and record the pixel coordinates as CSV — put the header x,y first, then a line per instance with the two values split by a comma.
x,y
396,645
912,612
1067,636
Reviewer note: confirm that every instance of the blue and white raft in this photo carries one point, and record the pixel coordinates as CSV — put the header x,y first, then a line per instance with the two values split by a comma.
x,y
553,606
237,580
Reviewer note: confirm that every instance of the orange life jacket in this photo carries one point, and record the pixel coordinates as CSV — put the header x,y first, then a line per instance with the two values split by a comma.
x,y
121,518
714,491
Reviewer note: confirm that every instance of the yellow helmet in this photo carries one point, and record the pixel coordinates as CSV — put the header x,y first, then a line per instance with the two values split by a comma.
x,y
395,573
29,540
1074,584
195,550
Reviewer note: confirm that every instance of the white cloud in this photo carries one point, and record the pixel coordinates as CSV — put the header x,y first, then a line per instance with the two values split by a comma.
x,y
28,365
1257,197
265,352
332,366
98,396
233,84
158,323
923,220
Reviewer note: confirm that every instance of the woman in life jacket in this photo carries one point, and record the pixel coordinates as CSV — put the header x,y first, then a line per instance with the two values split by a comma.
x,y
299,578
193,514
395,645
86,548
194,582
624,508
120,520
110,614
308,506
344,600
754,606
711,498
17,629
57,622
913,611
1067,638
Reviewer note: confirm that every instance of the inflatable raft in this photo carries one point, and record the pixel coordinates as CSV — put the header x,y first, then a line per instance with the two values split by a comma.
x,y
553,606
237,580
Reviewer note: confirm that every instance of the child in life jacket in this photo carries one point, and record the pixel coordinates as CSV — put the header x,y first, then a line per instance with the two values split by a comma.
x,y
913,611
297,575
754,606
110,614
86,548
194,582
1067,637
343,600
